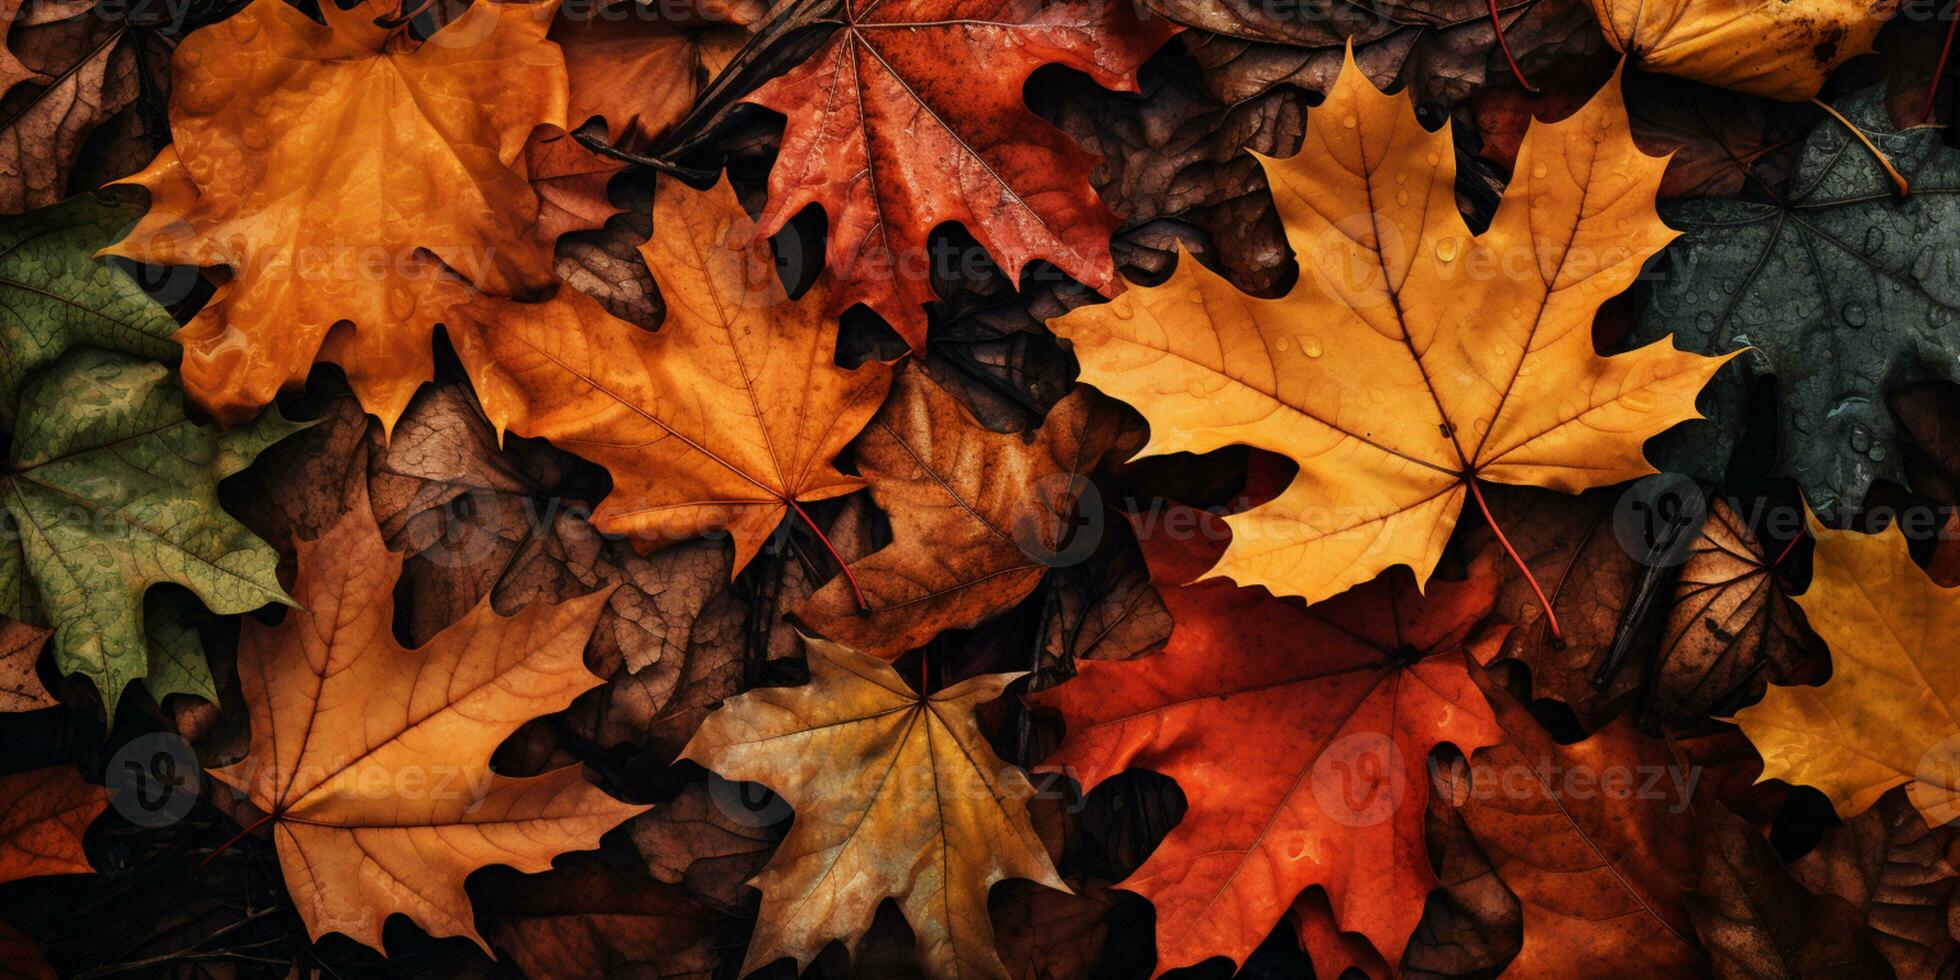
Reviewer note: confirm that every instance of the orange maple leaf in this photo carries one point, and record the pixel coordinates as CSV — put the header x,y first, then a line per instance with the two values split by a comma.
x,y
723,419
371,761
328,167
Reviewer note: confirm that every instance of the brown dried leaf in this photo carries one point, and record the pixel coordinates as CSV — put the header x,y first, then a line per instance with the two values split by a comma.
x,y
709,840
1894,870
20,684
591,922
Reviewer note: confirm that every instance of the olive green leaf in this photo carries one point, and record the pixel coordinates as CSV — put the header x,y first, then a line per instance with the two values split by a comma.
x,y
55,294
1845,291
109,490
176,663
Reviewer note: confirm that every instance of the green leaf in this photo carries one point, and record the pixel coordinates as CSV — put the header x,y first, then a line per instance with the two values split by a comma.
x,y
1845,291
176,663
110,490
56,295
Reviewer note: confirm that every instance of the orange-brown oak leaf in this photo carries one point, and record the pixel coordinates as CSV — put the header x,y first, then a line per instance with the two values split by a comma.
x,y
1412,359
1597,842
371,761
896,796
1357,689
910,115
326,167
978,517
723,419
43,814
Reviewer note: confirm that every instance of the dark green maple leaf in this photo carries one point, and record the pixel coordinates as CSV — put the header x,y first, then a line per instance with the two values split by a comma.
x,y
55,294
1845,291
108,490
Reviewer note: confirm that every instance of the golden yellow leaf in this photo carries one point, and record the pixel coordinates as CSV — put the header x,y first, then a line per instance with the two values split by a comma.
x,y
1779,49
1890,713
371,761
722,419
1411,358
896,795
327,168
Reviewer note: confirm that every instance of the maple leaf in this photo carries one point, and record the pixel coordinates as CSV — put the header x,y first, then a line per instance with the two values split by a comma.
x,y
1412,359
978,517
640,67
1439,51
76,77
1778,49
1601,870
724,419
1887,714
371,760
321,164
20,648
59,296
1362,687
1895,871
911,115
1839,292
1758,922
111,490
896,795
43,814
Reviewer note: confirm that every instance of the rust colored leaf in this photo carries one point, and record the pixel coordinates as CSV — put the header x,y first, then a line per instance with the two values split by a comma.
x,y
43,815
20,649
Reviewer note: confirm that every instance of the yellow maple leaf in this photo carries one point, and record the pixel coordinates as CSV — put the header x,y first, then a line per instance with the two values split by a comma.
x,y
328,167
896,795
1412,358
1890,713
1779,49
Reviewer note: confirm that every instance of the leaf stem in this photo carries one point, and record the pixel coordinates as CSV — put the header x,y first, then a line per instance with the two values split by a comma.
x,y
1792,546
1898,179
1939,67
1497,24
241,835
1551,618
864,607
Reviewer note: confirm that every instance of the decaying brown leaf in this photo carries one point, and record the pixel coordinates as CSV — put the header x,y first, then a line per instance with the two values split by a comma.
x,y
20,649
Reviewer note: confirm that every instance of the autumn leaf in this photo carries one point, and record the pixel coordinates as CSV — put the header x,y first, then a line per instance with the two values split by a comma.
x,y
896,795
1778,49
590,922
978,517
20,649
43,815
709,840
1438,51
1376,371
112,490
1597,842
21,957
910,115
1886,716
724,419
371,760
322,165
1895,871
640,67
1360,688
58,295
1838,292
1758,922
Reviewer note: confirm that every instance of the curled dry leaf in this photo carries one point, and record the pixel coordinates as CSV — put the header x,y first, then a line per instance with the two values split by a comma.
x,y
723,420
1596,841
1887,714
1360,687
1386,400
43,814
911,115
313,163
1895,871
1440,51
371,760
1778,49
977,517
1758,922
896,795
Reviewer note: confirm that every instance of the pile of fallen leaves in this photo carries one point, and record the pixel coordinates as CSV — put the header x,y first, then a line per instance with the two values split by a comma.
x,y
1022,489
